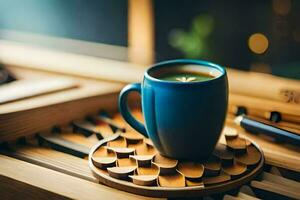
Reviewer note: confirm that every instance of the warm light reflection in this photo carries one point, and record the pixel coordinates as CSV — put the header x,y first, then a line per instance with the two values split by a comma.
x,y
258,43
282,7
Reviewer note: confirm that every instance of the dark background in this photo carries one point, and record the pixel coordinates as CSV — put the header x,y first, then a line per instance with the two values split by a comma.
x,y
102,21
105,21
234,22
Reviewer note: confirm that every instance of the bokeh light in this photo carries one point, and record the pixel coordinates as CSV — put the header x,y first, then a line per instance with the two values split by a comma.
x,y
282,7
258,43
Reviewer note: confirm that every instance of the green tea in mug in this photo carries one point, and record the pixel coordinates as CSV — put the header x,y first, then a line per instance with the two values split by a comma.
x,y
186,73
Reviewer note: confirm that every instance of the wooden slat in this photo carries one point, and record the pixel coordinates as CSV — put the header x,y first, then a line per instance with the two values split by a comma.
x,y
14,189
56,182
22,89
80,139
51,115
264,86
87,128
289,112
54,160
42,112
60,144
275,191
246,196
280,180
103,117
17,54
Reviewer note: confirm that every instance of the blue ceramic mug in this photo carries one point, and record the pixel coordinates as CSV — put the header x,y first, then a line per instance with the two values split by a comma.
x,y
183,119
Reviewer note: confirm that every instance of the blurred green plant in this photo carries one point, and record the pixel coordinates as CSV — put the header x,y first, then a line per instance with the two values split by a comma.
x,y
194,43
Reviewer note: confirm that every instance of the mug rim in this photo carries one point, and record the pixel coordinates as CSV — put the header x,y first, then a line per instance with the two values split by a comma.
x,y
185,61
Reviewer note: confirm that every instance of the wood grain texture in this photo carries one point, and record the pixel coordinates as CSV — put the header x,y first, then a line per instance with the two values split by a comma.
x,y
55,160
280,180
60,144
14,189
264,86
274,190
22,89
55,109
16,54
262,107
59,183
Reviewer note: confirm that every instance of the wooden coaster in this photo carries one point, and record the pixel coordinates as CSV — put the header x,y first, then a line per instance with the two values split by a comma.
x,y
212,166
173,180
121,172
126,162
224,154
222,177
131,163
149,170
104,158
251,157
191,170
166,165
237,144
104,152
165,162
143,149
235,170
143,160
122,152
104,162
194,183
144,180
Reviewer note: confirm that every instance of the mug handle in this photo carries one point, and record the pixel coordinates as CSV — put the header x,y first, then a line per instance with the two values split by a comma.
x,y
124,110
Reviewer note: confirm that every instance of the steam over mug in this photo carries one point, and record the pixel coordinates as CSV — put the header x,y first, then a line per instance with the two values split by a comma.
x,y
184,119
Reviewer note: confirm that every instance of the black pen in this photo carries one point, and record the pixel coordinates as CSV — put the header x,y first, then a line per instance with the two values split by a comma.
x,y
255,126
